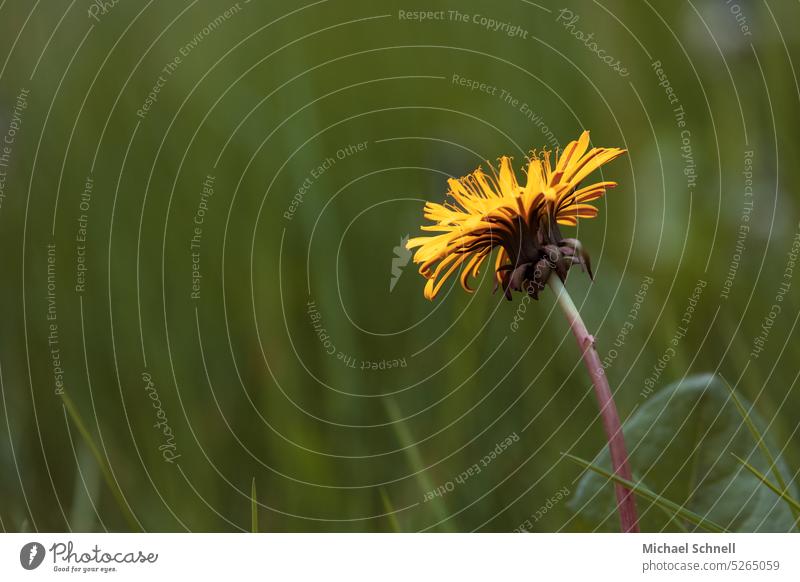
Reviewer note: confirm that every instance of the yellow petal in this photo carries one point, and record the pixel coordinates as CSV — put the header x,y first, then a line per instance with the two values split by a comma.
x,y
433,286
578,211
572,154
590,162
506,178
499,262
471,270
587,194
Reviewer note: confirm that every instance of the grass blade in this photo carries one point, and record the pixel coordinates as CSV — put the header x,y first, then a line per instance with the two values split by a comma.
x,y
85,491
253,507
762,445
651,496
390,512
673,519
793,503
412,454
109,478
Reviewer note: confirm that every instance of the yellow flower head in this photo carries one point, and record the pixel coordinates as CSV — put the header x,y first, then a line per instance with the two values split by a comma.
x,y
522,221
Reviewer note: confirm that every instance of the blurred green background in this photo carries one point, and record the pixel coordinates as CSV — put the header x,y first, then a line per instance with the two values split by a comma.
x,y
259,377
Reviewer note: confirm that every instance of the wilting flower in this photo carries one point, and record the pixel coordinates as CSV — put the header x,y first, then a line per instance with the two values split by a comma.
x,y
494,211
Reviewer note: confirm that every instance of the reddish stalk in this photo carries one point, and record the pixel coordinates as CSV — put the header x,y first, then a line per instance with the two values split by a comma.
x,y
626,503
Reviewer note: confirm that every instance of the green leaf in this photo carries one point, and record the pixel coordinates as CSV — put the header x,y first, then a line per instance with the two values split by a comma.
x,y
681,441
673,510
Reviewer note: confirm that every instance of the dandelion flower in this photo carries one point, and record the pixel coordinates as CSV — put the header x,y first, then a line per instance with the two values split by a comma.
x,y
493,210
523,223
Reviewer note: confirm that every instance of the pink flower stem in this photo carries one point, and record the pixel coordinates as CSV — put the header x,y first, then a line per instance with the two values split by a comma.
x,y
626,502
